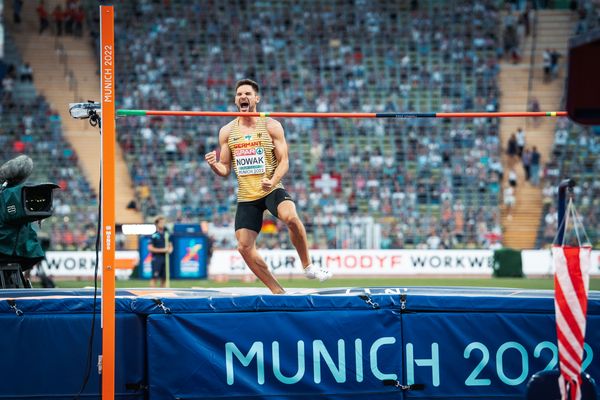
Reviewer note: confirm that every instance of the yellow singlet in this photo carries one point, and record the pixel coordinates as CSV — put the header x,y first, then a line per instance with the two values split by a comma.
x,y
253,158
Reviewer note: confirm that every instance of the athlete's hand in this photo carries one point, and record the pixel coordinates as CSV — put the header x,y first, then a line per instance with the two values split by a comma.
x,y
267,184
211,158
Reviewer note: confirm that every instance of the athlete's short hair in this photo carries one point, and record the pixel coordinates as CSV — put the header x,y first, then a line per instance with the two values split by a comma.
x,y
250,82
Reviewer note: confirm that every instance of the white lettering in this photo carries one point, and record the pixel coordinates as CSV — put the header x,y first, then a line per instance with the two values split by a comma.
x,y
339,372
320,353
373,356
255,351
433,362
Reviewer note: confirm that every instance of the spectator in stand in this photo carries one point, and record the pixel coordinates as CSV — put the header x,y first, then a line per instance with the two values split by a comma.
x,y
535,166
58,16
512,178
42,16
547,64
551,217
512,148
433,241
554,59
8,80
25,73
520,135
560,140
17,7
509,200
19,147
68,16
548,194
526,19
510,36
78,16
526,160
534,106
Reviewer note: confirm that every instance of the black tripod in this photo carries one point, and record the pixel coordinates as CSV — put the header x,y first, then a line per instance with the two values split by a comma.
x,y
11,277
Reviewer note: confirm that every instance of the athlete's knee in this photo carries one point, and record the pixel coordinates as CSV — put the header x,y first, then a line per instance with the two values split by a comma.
x,y
244,248
292,221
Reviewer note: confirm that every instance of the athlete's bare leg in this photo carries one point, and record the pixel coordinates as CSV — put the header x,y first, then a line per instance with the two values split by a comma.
x,y
247,247
286,211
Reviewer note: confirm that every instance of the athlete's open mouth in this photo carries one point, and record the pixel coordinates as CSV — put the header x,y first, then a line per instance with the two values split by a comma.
x,y
244,105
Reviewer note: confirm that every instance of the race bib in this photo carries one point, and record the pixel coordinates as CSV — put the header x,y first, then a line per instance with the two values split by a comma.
x,y
250,161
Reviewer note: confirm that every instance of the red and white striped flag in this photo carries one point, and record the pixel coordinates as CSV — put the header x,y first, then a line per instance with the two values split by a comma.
x,y
571,282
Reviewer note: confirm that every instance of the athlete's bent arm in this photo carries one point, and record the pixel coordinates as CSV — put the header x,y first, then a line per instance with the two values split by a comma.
x,y
281,153
153,249
223,166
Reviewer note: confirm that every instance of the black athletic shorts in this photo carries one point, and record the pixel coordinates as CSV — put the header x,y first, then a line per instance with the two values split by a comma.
x,y
159,270
249,214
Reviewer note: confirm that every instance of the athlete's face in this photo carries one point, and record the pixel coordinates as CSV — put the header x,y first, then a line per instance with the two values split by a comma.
x,y
246,98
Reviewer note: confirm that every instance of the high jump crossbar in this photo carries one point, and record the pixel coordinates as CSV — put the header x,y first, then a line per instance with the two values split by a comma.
x,y
107,157
399,115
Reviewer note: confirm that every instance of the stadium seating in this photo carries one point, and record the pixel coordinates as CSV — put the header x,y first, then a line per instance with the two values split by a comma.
x,y
576,154
29,126
414,180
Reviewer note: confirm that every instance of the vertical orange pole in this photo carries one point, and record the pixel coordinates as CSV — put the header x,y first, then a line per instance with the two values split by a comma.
x,y
107,90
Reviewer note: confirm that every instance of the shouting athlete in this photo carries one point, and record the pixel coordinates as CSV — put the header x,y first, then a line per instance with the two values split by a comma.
x,y
257,149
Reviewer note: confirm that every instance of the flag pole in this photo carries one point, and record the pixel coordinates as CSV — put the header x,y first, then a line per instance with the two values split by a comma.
x,y
562,205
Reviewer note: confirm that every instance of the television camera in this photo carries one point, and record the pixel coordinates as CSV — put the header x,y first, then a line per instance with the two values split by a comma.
x,y
21,204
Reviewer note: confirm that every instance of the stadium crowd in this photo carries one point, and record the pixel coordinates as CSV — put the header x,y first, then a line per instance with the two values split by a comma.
x,y
575,154
424,183
401,183
29,126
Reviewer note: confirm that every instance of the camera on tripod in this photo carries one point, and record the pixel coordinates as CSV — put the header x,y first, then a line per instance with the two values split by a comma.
x,y
20,205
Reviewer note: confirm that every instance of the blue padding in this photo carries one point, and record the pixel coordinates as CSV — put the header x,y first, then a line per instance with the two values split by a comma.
x,y
482,343
477,299
255,303
61,305
456,299
44,356
214,356
459,302
484,354
226,300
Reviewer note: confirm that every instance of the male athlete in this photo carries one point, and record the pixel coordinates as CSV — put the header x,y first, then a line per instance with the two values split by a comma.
x,y
160,249
257,149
